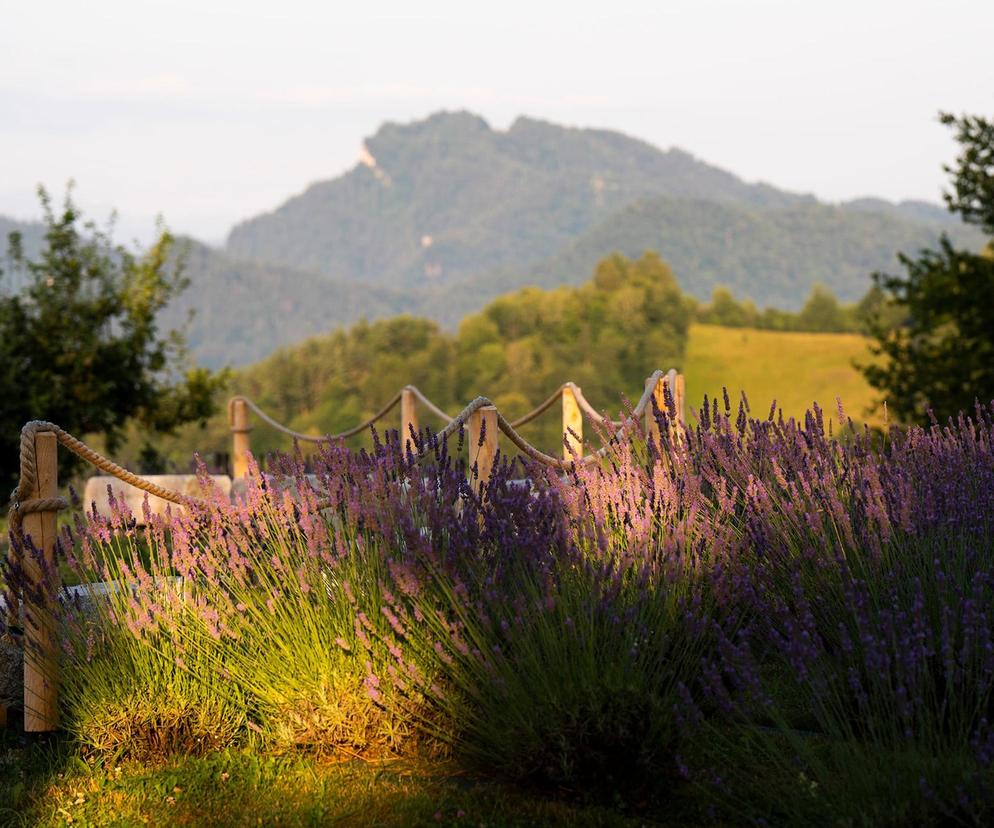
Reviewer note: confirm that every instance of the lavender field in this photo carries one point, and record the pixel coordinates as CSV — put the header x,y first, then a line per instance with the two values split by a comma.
x,y
772,622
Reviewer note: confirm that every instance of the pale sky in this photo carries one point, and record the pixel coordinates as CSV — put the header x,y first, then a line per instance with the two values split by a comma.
x,y
211,111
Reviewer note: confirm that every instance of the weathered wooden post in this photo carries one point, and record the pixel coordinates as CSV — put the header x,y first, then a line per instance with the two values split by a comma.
x,y
240,440
408,419
659,395
572,425
41,645
482,421
680,397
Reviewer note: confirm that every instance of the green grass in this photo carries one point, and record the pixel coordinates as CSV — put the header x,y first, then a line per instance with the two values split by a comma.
x,y
54,786
796,369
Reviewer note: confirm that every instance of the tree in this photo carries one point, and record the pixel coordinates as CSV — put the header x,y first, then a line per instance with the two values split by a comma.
x,y
973,176
79,341
724,310
822,312
940,357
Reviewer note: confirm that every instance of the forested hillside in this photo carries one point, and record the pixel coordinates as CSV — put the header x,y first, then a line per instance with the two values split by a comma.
x,y
236,312
457,213
773,257
606,335
441,216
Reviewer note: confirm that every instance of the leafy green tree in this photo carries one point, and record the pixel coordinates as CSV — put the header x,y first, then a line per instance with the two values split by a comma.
x,y
823,313
972,195
724,310
940,357
79,342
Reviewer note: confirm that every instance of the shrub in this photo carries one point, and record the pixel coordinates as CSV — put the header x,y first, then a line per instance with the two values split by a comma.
x,y
867,683
800,622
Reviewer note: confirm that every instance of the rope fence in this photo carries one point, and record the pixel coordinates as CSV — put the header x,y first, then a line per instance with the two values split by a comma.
x,y
574,407
36,500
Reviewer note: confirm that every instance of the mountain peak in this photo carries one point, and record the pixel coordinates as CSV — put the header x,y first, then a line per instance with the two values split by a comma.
x,y
447,206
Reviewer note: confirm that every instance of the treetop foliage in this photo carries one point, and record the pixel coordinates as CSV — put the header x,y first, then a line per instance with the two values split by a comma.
x,y
79,340
940,357
972,195
822,313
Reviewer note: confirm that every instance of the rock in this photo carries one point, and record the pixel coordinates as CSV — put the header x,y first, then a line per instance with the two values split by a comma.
x,y
241,484
188,484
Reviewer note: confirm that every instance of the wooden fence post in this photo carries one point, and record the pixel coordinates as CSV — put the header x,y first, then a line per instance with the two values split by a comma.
x,y
483,456
240,441
572,422
408,419
680,397
41,644
659,394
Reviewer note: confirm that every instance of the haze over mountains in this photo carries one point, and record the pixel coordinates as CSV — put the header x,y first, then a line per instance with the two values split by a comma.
x,y
441,215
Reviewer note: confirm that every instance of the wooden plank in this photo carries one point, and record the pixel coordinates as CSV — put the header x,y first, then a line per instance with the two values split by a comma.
x,y
659,394
41,648
572,422
483,453
408,419
241,444
681,399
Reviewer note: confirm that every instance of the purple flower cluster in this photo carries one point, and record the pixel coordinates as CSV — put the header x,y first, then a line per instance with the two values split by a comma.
x,y
829,584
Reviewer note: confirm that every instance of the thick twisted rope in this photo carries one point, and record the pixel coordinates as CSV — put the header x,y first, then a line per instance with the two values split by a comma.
x,y
589,410
309,438
460,420
537,455
581,401
434,409
541,408
23,504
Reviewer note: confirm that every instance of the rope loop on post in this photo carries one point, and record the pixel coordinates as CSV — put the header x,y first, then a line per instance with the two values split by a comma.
x,y
21,504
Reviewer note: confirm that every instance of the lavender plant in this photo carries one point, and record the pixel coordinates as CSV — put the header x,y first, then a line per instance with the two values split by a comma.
x,y
867,682
566,619
798,620
139,675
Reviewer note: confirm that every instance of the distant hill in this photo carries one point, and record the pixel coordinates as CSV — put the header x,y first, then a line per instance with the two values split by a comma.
x,y
437,201
32,238
242,311
456,213
441,215
772,256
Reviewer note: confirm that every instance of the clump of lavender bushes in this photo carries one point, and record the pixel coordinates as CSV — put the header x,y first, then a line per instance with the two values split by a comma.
x,y
862,683
795,622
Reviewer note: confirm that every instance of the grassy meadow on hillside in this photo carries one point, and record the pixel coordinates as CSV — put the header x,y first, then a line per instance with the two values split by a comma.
x,y
795,369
